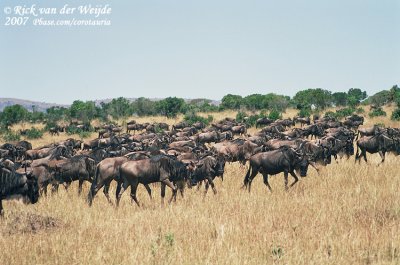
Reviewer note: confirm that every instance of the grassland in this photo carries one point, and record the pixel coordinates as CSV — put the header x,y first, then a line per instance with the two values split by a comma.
x,y
347,214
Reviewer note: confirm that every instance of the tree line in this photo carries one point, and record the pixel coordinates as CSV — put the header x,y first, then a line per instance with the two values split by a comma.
x,y
306,101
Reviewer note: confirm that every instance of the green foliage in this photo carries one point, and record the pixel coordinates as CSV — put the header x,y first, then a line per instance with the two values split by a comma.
x,y
377,112
303,113
83,111
341,113
274,115
231,101
318,97
339,99
169,239
10,136
192,117
396,115
355,96
277,252
171,106
144,106
360,110
13,114
381,98
34,133
118,108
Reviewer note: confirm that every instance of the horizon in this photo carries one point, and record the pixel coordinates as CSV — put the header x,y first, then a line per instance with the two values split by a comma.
x,y
158,49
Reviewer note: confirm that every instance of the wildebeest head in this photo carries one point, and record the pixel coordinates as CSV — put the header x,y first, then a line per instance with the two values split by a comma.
x,y
33,188
302,165
220,166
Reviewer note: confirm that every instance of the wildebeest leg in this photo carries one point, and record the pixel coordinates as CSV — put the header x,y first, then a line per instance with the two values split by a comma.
x,y
382,154
364,154
265,177
1,208
295,178
173,188
122,187
210,180
285,174
199,184
118,190
54,188
134,187
148,190
162,193
80,186
105,191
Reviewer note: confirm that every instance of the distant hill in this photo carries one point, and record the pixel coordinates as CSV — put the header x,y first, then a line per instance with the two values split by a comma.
x,y
28,104
42,106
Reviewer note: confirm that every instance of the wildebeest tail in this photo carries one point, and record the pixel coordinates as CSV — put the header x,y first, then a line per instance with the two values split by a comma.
x,y
93,186
246,178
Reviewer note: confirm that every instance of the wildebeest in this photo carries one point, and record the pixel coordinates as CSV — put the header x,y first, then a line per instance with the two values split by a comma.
x,y
285,159
380,143
263,122
80,167
13,183
160,168
207,169
107,171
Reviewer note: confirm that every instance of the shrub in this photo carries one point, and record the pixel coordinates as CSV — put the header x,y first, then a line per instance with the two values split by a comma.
x,y
193,118
377,113
274,115
396,115
341,113
34,133
10,136
303,113
360,110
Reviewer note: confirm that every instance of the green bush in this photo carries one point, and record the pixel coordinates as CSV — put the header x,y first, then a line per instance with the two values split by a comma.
x,y
360,110
396,115
377,113
34,133
341,113
191,118
303,113
274,115
10,136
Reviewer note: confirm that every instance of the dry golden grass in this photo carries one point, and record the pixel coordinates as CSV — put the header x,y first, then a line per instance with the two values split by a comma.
x,y
348,214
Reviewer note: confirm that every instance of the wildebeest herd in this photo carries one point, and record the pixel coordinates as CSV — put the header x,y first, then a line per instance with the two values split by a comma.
x,y
186,155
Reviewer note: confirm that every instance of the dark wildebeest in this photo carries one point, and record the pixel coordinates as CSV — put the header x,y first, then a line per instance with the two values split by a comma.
x,y
370,131
160,168
80,167
263,122
16,184
207,169
107,171
380,143
208,137
285,159
302,120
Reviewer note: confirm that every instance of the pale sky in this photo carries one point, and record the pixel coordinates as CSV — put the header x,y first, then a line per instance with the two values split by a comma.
x,y
203,48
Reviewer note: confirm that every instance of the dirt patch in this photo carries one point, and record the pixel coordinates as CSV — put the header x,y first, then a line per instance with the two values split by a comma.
x,y
22,223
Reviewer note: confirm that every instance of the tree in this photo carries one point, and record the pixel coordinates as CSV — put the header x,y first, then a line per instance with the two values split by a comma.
x,y
355,96
171,106
13,114
118,107
339,99
144,106
231,101
381,98
318,97
83,111
254,101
